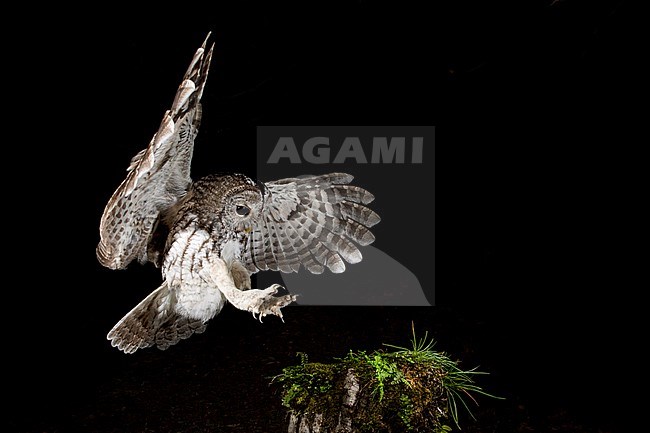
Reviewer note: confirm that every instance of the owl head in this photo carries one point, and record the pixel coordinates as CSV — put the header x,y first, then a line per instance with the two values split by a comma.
x,y
239,200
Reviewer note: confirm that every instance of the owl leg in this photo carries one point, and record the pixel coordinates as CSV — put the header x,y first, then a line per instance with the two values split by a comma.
x,y
259,302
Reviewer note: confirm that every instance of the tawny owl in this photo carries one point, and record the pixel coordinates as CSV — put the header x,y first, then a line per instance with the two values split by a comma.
x,y
209,236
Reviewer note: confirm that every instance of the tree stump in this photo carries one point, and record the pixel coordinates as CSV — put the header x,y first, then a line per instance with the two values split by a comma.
x,y
378,392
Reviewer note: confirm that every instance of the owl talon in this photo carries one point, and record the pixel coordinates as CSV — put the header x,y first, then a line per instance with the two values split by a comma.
x,y
266,304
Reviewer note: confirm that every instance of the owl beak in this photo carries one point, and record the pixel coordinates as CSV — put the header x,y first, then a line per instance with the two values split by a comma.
x,y
248,229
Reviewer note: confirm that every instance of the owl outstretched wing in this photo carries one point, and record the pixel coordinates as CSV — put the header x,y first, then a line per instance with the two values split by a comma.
x,y
312,221
157,177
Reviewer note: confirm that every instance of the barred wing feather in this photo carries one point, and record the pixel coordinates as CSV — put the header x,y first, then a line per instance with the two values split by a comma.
x,y
315,222
157,177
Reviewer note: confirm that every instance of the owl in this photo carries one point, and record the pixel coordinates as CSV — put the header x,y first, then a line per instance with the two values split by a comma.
x,y
208,236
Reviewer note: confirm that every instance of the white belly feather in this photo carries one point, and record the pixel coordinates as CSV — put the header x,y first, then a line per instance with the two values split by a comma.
x,y
185,270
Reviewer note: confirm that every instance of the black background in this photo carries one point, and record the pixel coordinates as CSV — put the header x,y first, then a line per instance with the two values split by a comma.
x,y
533,110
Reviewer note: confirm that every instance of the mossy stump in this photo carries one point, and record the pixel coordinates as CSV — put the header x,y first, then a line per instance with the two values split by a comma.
x,y
377,392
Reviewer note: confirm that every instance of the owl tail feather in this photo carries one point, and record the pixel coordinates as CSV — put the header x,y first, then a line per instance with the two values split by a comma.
x,y
153,321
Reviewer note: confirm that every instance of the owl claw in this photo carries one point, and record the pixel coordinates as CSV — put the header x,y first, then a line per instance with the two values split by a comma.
x,y
260,303
265,304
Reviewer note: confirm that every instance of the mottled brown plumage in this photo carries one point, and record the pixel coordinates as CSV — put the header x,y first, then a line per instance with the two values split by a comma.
x,y
208,236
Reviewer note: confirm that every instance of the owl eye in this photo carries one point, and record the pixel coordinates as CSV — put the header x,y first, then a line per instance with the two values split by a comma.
x,y
242,210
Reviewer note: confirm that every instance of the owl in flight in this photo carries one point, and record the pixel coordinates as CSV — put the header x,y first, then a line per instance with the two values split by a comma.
x,y
208,236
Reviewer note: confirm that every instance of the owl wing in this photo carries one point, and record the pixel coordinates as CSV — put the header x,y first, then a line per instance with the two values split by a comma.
x,y
314,222
157,177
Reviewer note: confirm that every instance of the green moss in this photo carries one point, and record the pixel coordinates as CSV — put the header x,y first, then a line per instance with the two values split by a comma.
x,y
406,411
306,382
384,370
413,390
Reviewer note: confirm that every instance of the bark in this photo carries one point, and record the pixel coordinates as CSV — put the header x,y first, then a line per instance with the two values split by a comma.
x,y
341,422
